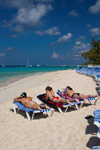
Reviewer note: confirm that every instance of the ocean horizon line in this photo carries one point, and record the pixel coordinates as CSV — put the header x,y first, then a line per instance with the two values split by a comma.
x,y
37,65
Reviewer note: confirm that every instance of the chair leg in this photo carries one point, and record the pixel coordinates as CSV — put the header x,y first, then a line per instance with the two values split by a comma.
x,y
76,106
50,113
32,116
28,116
81,105
95,101
14,108
59,109
66,109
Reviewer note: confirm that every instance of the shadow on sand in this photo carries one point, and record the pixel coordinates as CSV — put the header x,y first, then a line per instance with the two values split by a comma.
x,y
92,129
36,116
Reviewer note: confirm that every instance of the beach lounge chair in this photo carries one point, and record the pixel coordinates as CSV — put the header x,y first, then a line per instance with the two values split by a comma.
x,y
98,83
97,121
97,118
97,77
61,94
28,110
59,106
96,147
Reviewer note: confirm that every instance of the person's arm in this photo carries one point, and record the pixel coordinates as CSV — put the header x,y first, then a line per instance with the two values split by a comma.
x,y
17,99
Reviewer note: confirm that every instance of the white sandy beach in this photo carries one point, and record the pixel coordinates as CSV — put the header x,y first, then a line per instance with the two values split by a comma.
x,y
66,131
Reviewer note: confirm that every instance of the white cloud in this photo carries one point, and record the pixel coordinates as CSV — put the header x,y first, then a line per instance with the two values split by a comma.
x,y
54,55
65,38
95,31
31,15
95,8
28,14
73,13
78,42
52,31
16,3
2,54
80,38
22,3
75,53
80,48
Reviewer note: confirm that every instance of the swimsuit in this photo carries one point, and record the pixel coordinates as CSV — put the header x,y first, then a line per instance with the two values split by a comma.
x,y
31,101
78,94
54,103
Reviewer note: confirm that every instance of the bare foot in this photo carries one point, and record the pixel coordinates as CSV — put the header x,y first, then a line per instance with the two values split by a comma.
x,y
39,108
77,101
47,107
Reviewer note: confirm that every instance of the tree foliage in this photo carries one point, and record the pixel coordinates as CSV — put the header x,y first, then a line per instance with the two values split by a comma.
x,y
93,55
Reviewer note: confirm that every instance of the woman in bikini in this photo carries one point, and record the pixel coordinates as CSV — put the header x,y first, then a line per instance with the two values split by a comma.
x,y
29,103
70,92
50,95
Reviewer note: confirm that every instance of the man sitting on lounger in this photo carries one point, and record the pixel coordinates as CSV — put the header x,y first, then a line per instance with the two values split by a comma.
x,y
50,95
70,92
29,103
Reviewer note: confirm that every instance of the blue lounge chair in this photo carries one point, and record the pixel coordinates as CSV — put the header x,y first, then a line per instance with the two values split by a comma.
x,y
97,77
97,121
80,102
97,118
28,110
96,147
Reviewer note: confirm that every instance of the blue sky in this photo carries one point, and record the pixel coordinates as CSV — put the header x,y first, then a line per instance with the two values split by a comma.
x,y
48,32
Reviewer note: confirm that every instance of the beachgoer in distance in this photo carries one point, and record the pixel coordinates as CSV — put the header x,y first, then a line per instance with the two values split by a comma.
x,y
70,92
29,103
51,96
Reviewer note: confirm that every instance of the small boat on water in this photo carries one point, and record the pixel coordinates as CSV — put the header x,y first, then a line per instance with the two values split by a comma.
x,y
37,65
28,65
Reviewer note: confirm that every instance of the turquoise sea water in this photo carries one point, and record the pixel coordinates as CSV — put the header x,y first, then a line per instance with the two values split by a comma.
x,y
10,74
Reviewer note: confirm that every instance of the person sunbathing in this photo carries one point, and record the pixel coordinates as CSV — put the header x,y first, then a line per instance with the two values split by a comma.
x,y
70,92
29,103
50,95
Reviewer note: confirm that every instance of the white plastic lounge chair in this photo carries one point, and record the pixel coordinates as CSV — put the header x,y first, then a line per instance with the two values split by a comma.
x,y
28,110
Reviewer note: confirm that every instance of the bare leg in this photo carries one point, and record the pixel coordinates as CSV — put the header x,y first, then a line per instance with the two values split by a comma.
x,y
74,100
43,106
98,96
